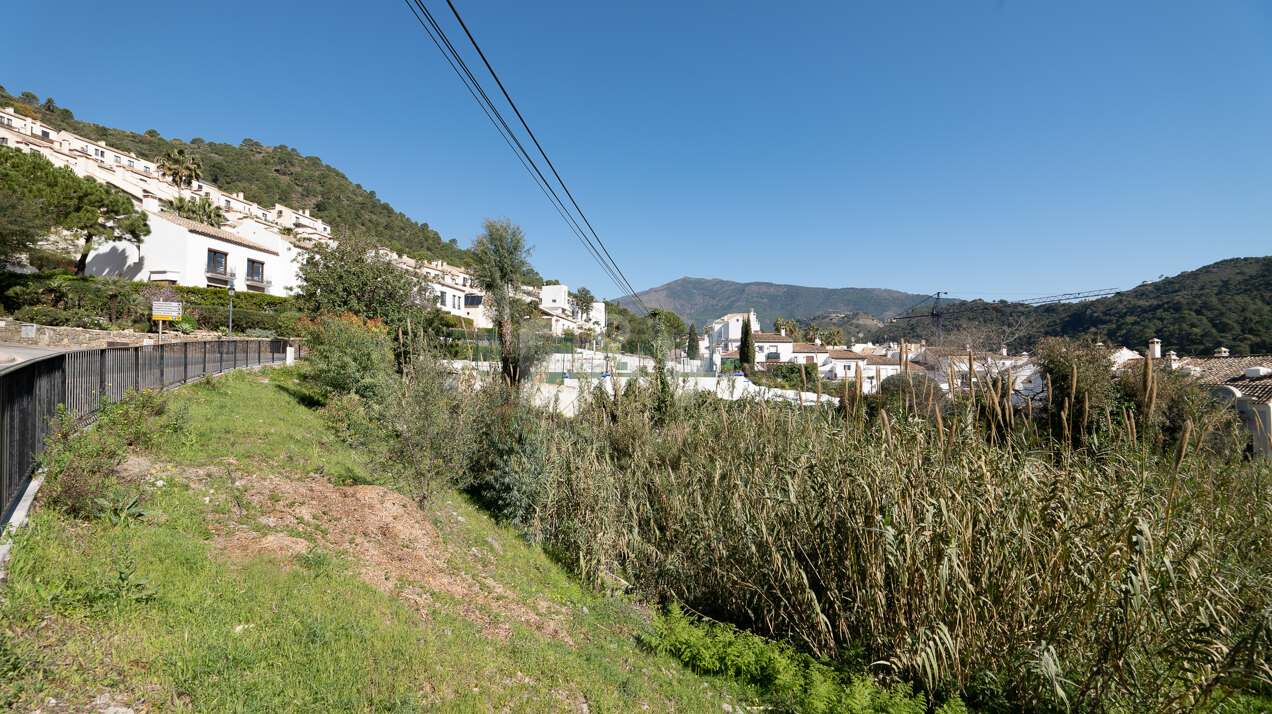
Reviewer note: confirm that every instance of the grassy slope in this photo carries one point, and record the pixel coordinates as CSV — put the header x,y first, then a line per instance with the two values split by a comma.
x,y
301,632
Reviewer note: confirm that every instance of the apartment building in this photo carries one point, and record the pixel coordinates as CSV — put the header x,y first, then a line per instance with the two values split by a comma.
x,y
249,251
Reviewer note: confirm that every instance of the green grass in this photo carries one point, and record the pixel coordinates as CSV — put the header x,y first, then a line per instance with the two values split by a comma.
x,y
192,630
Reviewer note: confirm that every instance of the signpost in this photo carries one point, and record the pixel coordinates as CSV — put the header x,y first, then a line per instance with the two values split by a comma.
x,y
162,312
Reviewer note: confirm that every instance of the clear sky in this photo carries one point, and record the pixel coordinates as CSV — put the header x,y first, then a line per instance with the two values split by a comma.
x,y
986,148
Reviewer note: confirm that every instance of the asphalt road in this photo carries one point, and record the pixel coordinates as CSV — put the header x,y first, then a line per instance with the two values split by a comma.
x,y
21,353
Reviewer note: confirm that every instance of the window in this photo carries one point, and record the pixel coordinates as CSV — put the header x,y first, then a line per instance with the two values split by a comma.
x,y
147,168
3,141
45,134
117,160
130,164
455,301
216,262
441,298
472,300
256,271
227,203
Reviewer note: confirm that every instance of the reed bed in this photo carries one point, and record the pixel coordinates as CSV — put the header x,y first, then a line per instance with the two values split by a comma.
x,y
959,547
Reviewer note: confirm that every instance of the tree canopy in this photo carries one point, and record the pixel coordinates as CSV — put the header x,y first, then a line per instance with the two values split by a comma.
x,y
48,199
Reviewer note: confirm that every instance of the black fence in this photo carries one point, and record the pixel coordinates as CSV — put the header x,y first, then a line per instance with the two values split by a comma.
x,y
31,391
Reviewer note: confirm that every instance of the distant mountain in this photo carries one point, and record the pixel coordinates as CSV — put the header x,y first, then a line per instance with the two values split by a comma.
x,y
701,300
1224,304
853,325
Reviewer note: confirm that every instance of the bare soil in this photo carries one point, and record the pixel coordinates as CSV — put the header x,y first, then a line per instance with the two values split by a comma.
x,y
391,542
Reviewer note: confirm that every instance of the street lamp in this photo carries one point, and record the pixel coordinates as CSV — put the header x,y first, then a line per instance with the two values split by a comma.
x,y
231,292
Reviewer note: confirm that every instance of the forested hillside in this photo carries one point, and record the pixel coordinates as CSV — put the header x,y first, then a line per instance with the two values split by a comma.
x,y
1228,303
268,175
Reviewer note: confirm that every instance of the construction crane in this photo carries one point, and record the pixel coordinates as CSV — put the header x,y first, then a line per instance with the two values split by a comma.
x,y
938,310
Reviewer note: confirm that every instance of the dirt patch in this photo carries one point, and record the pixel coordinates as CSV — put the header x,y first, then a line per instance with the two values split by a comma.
x,y
395,547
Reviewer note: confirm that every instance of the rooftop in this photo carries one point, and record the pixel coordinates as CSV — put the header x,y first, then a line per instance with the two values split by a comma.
x,y
209,231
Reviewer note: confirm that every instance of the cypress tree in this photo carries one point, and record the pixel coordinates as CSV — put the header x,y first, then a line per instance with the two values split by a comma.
x,y
746,350
691,350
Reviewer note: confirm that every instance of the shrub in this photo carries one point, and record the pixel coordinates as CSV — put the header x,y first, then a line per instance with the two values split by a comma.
x,y
79,466
348,355
800,377
429,419
1079,373
914,391
507,461
214,318
260,334
42,315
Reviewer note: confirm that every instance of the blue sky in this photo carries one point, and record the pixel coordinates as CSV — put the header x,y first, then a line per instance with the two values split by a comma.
x,y
985,148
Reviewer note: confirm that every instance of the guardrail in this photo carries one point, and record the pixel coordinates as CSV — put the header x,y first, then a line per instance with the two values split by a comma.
x,y
31,391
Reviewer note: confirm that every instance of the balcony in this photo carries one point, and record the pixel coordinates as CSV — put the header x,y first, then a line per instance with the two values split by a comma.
x,y
220,272
258,280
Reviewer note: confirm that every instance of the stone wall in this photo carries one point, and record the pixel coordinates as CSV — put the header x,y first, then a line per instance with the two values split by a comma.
x,y
76,338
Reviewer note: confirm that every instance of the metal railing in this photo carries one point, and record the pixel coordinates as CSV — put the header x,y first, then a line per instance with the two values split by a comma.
x,y
80,380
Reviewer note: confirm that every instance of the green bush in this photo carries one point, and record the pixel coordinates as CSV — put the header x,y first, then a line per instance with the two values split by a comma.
x,y
348,355
507,462
244,299
211,317
54,317
787,376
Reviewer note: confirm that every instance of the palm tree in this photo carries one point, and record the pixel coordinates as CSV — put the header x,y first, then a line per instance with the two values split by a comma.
x,y
181,166
201,210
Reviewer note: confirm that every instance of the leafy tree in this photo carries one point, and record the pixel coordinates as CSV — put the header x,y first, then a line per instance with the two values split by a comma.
x,y
746,349
691,349
200,209
181,166
53,198
502,257
581,302
345,277
1080,374
670,321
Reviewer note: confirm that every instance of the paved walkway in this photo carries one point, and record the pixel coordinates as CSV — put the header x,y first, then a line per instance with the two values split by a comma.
x,y
11,354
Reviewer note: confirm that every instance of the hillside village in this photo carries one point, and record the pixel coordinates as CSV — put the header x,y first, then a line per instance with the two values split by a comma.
x,y
254,248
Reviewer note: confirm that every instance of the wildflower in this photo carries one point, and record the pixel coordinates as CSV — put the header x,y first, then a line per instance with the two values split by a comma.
x,y
160,483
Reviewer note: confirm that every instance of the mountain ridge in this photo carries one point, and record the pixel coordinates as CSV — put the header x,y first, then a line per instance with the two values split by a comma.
x,y
701,300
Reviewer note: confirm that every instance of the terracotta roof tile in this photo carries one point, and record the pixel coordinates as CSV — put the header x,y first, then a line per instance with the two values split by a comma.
x,y
770,337
809,347
1220,369
209,231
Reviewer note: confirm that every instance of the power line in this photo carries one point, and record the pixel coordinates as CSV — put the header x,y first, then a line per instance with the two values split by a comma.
x,y
457,63
541,151
492,113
